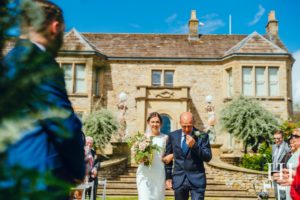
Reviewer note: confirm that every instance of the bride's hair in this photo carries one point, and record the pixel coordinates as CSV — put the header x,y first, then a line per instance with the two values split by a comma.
x,y
151,115
154,114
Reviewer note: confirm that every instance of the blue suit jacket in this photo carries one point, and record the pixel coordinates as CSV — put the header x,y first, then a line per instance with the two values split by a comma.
x,y
188,166
54,140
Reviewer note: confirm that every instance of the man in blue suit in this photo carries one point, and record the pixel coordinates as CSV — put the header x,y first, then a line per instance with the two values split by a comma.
x,y
190,148
52,140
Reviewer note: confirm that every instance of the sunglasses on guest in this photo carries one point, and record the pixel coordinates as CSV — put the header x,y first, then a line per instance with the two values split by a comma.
x,y
293,136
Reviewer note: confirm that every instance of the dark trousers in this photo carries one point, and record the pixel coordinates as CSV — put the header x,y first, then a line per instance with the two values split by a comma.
x,y
89,192
183,192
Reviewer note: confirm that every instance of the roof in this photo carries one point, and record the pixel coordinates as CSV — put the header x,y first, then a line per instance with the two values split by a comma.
x,y
171,45
174,46
163,45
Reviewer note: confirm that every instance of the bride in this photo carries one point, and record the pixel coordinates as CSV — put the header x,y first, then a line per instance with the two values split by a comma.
x,y
151,180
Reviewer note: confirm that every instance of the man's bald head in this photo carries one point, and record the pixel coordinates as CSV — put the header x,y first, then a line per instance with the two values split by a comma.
x,y
187,122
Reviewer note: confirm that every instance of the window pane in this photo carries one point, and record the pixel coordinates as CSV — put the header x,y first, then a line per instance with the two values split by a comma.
x,y
68,76
229,83
80,85
156,78
260,81
247,81
273,81
97,82
168,80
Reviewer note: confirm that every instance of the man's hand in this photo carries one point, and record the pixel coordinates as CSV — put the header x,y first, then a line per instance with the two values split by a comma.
x,y
190,141
169,184
167,159
94,172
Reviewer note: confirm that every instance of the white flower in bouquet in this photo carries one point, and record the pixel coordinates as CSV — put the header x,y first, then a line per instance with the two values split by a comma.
x,y
143,148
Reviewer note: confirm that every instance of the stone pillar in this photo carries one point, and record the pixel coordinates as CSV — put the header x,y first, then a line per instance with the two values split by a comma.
x,y
216,149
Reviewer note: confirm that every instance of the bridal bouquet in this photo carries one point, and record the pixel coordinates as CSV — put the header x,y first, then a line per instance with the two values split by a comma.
x,y
143,148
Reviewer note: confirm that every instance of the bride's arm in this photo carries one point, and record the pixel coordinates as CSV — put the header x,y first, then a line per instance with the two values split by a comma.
x,y
167,158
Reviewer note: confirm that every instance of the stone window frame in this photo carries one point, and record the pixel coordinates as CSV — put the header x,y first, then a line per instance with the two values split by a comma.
x,y
162,77
229,86
266,80
73,84
97,90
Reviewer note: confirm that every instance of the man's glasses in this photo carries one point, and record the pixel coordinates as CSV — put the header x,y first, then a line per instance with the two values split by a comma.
x,y
293,136
277,138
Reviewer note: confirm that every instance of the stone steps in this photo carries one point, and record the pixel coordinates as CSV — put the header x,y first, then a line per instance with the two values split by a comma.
x,y
169,193
117,185
133,180
125,185
131,175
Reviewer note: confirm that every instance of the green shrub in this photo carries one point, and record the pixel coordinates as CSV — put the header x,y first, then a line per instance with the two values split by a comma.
x,y
100,125
259,160
247,120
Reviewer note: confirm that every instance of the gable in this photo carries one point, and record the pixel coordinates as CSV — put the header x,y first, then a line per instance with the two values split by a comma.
x,y
74,41
255,44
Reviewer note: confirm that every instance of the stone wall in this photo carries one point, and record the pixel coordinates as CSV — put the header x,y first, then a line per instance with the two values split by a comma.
x,y
113,168
202,78
238,179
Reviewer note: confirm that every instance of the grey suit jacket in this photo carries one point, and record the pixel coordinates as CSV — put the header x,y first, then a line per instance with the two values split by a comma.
x,y
284,150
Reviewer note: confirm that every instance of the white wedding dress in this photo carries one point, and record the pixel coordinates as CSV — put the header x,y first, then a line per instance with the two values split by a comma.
x,y
151,180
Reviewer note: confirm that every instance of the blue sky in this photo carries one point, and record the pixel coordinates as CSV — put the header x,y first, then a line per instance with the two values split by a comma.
x,y
171,16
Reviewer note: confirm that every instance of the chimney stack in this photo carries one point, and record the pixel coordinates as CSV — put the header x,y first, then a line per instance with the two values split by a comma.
x,y
193,26
272,26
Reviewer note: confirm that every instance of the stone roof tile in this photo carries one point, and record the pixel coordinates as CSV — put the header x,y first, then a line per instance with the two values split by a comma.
x,y
163,45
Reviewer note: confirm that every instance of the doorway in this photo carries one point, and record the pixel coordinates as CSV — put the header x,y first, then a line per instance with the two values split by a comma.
x,y
166,125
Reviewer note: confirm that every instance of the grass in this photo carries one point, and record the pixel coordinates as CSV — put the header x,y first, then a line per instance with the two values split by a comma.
x,y
128,198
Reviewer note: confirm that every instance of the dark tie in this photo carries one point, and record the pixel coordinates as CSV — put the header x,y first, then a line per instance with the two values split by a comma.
x,y
184,146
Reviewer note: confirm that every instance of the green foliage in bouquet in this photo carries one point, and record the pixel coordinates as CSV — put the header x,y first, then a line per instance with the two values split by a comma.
x,y
259,160
143,148
100,125
247,120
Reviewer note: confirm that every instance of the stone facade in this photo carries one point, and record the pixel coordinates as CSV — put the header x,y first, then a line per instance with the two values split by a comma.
x,y
200,66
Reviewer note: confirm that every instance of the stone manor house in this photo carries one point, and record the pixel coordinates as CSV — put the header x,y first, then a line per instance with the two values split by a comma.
x,y
173,73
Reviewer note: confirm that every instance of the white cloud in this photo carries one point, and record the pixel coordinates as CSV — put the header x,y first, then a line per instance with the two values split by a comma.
x,y
171,18
135,25
295,77
258,15
211,23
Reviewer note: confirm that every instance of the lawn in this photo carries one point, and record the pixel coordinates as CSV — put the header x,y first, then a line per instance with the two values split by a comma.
x,y
128,198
